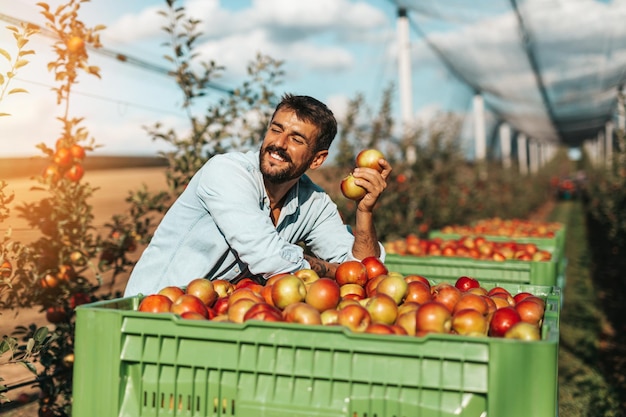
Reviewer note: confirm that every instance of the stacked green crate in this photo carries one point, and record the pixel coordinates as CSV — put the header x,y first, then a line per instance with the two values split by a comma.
x,y
140,364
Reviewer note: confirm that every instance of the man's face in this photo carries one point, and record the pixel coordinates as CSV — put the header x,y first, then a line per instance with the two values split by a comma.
x,y
287,150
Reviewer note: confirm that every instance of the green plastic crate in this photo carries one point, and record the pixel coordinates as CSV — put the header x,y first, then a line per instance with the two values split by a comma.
x,y
558,241
548,273
132,364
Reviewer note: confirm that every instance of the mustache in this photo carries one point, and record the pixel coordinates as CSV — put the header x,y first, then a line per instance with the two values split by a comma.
x,y
280,152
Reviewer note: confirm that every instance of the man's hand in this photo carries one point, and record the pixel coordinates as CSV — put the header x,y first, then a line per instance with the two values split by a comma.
x,y
373,182
323,268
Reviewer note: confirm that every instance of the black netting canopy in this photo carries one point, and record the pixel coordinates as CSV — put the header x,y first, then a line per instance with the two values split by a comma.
x,y
552,69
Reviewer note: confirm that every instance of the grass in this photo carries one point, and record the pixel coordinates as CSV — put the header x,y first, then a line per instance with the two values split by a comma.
x,y
586,385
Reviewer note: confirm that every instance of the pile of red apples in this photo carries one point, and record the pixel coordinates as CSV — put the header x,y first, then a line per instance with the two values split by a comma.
x,y
364,297
513,228
474,247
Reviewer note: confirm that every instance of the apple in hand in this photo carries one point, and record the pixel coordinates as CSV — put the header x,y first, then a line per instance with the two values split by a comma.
x,y
368,158
350,189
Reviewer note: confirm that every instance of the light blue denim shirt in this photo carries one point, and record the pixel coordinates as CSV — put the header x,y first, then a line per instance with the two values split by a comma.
x,y
220,227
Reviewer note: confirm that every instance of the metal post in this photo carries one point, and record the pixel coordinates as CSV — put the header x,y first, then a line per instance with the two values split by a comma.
x,y
522,155
404,82
505,145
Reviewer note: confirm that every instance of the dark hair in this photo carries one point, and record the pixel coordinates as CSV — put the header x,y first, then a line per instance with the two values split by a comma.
x,y
312,111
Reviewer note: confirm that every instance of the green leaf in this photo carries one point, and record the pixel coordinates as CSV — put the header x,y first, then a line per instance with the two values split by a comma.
x,y
41,334
30,367
30,345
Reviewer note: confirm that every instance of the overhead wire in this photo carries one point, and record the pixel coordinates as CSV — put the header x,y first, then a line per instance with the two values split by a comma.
x,y
120,57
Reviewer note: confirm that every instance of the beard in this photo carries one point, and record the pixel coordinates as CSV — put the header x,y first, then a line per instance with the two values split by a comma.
x,y
279,176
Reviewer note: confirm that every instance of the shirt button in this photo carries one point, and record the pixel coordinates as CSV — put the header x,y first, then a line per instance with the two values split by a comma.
x,y
237,270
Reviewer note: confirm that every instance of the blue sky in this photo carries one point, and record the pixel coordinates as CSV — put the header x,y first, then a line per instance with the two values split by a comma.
x,y
333,50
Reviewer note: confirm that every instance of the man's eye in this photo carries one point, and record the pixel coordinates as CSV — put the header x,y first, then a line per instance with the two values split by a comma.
x,y
298,140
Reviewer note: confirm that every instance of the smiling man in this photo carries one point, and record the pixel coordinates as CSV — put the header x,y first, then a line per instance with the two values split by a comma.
x,y
243,214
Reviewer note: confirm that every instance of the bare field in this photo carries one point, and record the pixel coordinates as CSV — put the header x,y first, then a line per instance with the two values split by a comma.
x,y
109,199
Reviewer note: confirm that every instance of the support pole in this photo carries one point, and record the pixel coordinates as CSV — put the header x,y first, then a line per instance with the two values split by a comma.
x,y
608,143
405,84
480,140
505,145
522,155
533,153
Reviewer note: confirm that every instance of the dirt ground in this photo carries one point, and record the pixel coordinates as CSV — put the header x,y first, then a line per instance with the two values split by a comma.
x,y
113,187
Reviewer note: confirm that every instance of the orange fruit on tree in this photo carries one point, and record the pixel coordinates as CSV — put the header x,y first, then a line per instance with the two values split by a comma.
x,y
75,44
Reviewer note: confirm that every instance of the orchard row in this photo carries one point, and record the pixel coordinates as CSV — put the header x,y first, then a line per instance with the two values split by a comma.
x,y
363,297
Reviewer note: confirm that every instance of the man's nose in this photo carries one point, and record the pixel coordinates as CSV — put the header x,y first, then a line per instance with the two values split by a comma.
x,y
281,141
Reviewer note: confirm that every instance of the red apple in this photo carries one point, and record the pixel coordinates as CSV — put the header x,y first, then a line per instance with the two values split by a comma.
x,y
351,272
192,315
407,320
379,328
382,308
433,316
464,283
420,278
238,309
350,190
501,300
155,303
369,158
469,322
323,294
502,320
302,313
244,292
353,291
221,306
523,331
222,287
521,295
472,301
307,276
446,294
355,317
329,317
264,312
394,286
203,289
374,267
172,292
371,284
287,290
417,292
530,311
189,302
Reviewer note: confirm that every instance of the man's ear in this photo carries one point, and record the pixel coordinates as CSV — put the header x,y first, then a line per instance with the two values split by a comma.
x,y
319,159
